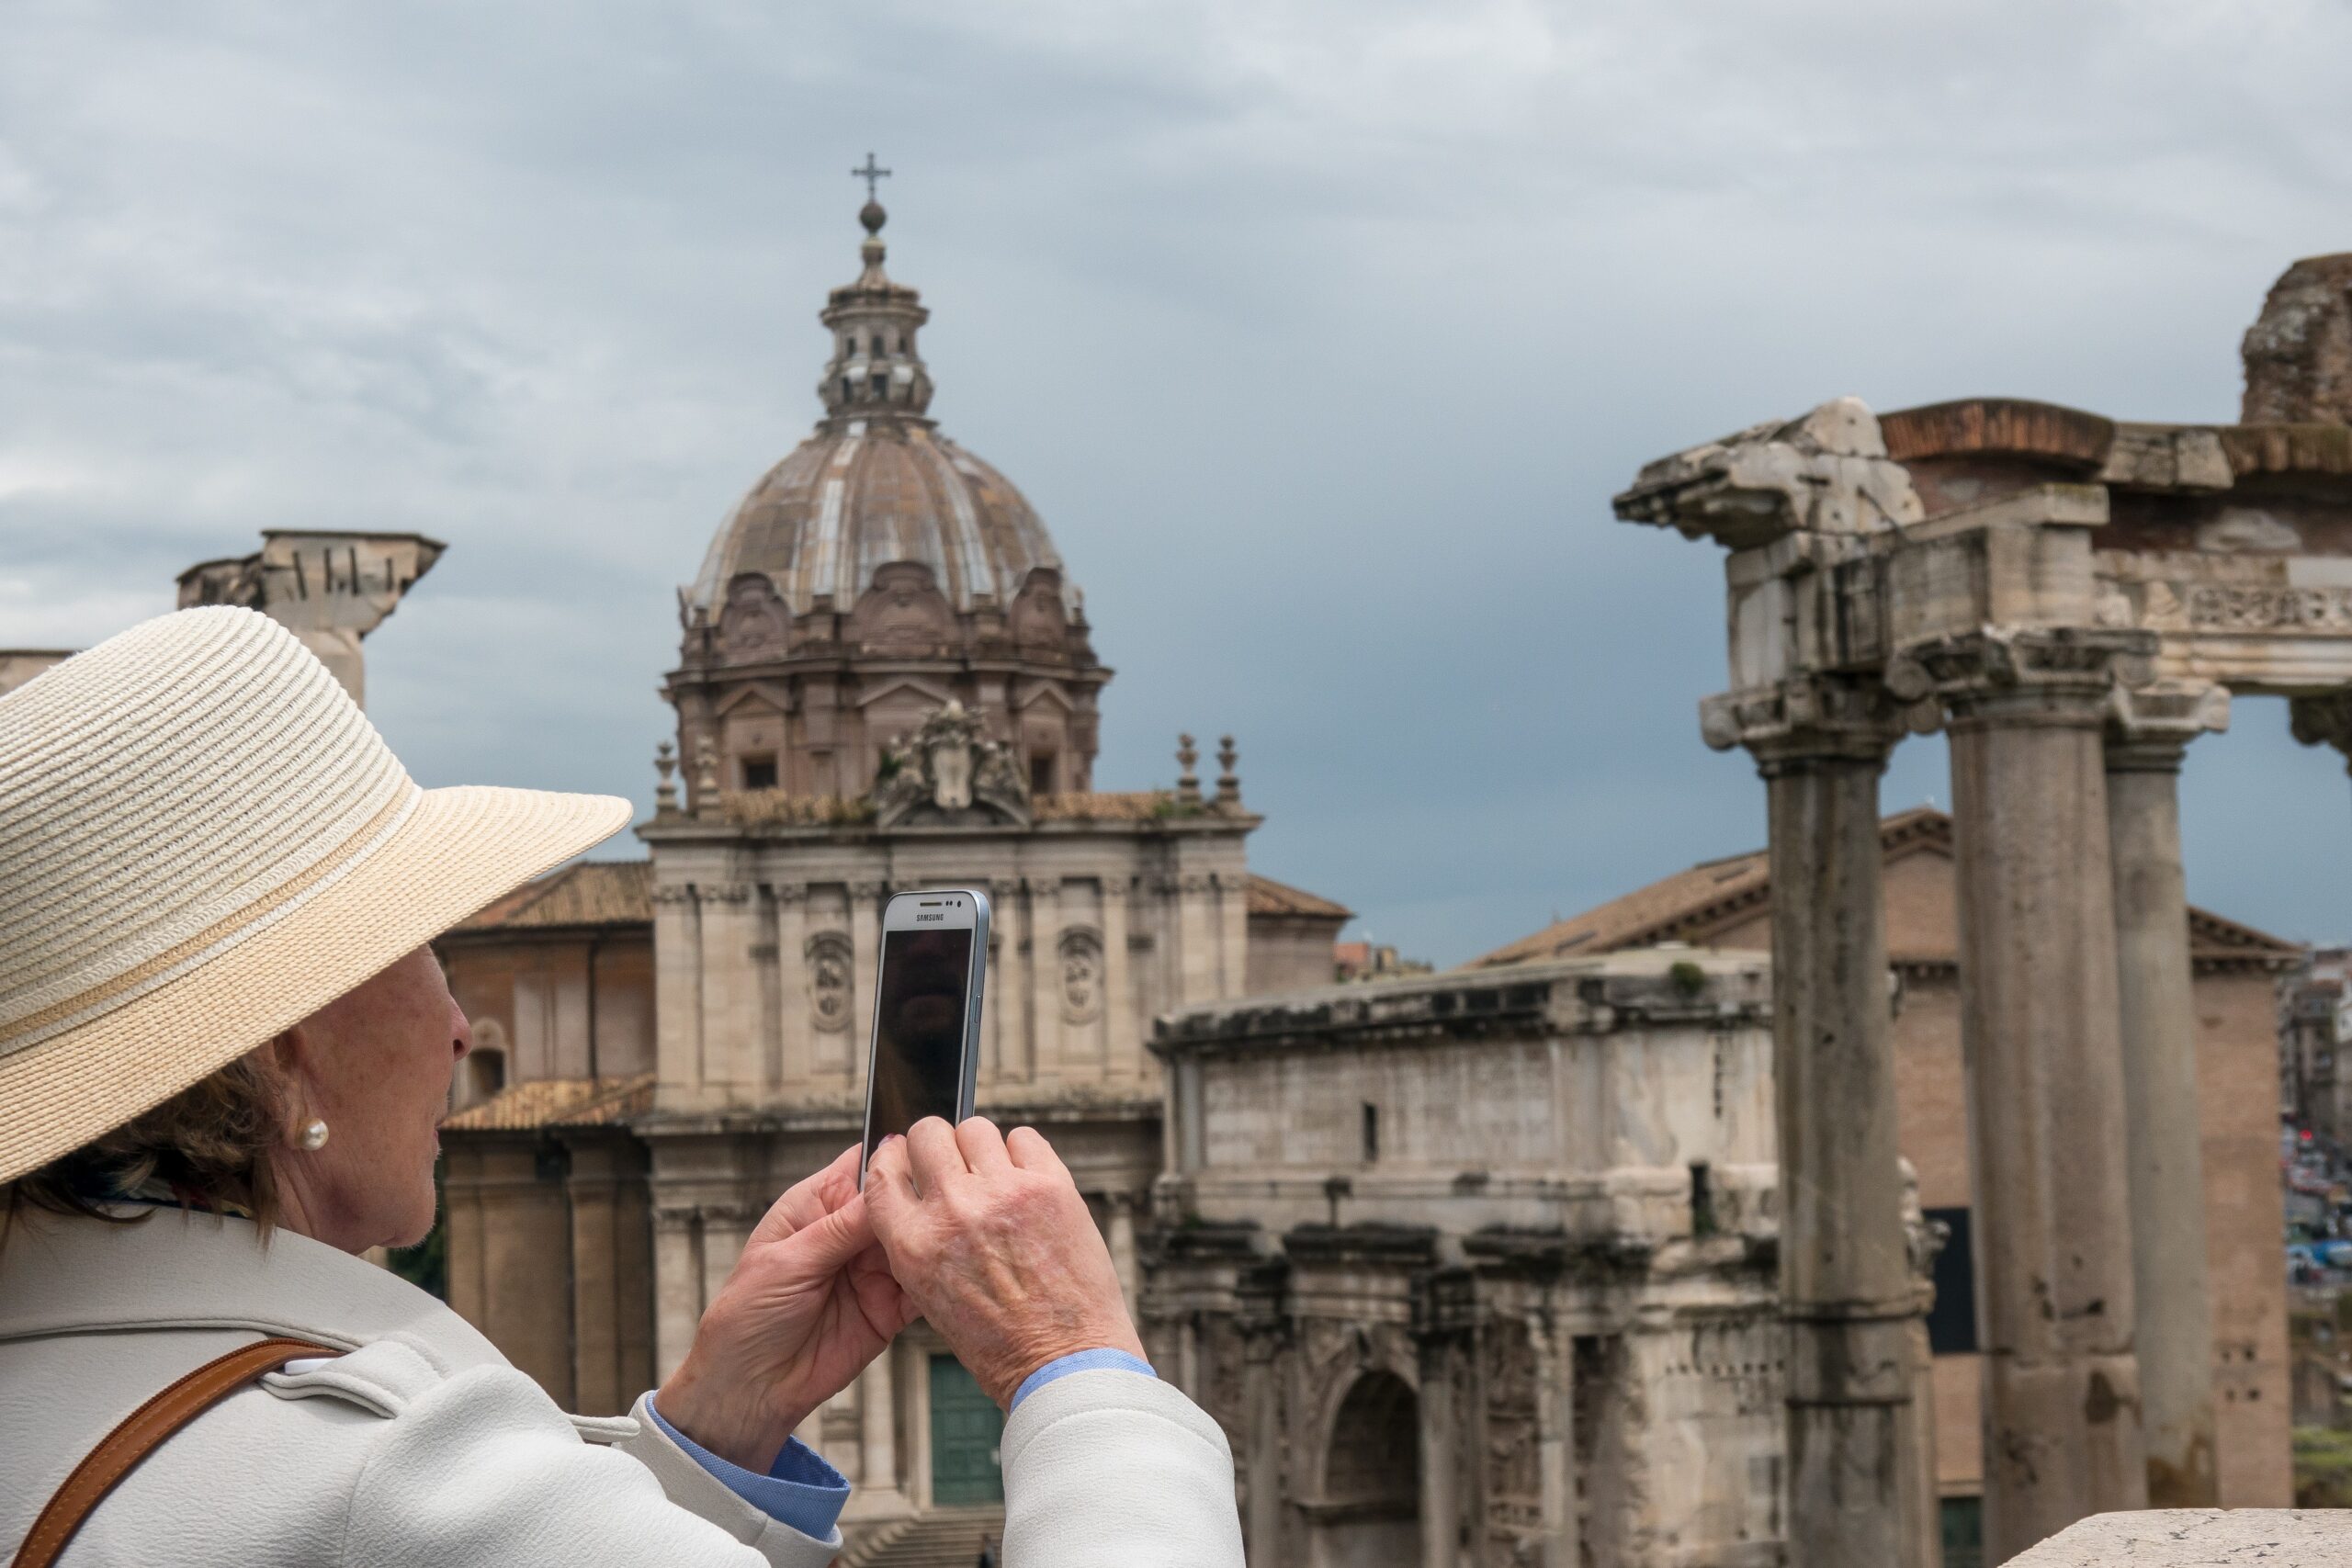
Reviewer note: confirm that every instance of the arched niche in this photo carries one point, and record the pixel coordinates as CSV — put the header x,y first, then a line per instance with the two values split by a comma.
x,y
1370,1512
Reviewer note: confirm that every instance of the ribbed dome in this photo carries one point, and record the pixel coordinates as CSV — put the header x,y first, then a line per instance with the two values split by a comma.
x,y
875,576
877,484
858,495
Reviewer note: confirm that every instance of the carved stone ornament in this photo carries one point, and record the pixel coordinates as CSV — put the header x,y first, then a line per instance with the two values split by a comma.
x,y
949,770
751,626
831,963
1081,966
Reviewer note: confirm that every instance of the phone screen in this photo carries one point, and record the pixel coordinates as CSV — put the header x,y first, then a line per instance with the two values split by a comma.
x,y
918,1030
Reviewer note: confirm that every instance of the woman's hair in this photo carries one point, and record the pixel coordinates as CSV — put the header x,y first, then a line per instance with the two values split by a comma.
x,y
209,1145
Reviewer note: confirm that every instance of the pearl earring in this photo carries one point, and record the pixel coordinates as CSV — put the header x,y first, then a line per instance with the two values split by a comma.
x,y
314,1135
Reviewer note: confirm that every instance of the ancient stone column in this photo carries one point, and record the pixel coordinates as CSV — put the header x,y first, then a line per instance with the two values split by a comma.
x,y
2146,739
1846,1285
2040,1025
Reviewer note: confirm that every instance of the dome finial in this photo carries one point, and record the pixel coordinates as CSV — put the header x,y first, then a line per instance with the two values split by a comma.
x,y
871,214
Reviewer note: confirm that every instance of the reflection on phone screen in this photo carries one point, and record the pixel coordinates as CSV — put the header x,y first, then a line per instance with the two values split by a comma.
x,y
919,1029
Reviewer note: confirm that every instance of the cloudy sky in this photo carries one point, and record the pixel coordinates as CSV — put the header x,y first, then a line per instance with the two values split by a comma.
x,y
1320,332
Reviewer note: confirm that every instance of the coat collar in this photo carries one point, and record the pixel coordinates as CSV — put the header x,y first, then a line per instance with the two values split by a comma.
x,y
181,1269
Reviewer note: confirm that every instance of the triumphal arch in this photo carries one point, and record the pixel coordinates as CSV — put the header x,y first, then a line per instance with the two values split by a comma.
x,y
2072,599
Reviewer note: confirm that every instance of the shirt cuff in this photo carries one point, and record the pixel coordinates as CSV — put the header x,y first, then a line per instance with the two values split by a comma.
x,y
1079,1361
800,1489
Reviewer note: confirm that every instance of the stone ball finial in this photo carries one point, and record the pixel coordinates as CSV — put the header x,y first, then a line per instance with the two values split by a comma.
x,y
2297,354
872,216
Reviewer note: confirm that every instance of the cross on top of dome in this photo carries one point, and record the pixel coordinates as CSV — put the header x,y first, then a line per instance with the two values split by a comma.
x,y
874,371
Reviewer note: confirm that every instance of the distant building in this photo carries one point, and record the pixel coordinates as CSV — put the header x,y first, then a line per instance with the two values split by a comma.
x,y
2314,1023
1374,961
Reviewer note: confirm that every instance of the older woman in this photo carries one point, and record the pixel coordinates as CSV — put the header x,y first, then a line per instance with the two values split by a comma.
x,y
224,1048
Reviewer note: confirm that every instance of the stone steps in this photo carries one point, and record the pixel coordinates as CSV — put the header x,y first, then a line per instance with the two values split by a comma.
x,y
948,1539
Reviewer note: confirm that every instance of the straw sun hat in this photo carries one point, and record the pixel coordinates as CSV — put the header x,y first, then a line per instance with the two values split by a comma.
x,y
202,842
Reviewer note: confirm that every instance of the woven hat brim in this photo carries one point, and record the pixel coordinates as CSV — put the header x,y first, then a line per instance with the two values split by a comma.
x,y
459,850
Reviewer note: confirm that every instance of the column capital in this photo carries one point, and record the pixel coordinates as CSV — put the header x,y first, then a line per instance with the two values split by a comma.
x,y
1811,718
2325,720
2061,675
2149,730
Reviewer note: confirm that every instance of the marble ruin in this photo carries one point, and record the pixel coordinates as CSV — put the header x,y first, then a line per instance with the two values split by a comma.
x,y
329,587
1478,1268
2073,599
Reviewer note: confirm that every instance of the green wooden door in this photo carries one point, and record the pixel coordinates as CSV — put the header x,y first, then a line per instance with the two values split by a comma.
x,y
966,1427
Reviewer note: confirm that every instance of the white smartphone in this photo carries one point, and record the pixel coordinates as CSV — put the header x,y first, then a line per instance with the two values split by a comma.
x,y
924,1059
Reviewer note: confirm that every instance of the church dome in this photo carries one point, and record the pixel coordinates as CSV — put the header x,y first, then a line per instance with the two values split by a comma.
x,y
863,494
876,485
877,575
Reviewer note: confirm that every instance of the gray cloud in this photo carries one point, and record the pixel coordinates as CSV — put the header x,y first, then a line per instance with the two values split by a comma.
x,y
1320,334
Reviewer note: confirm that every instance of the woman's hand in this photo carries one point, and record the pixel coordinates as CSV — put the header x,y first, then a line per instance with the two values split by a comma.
x,y
993,1243
808,1304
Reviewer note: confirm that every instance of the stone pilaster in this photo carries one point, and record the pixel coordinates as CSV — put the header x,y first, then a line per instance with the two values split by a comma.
x,y
677,995
2147,737
2040,1022
1555,1433
1846,1285
677,1285
1197,938
1261,1522
866,900
731,991
1121,1026
794,1047
1044,976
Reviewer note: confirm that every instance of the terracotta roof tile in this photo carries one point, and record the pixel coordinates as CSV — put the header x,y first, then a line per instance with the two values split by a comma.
x,y
1691,905
556,1102
1268,897
586,893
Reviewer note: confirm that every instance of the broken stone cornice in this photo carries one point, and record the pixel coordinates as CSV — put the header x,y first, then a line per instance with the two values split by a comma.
x,y
1826,472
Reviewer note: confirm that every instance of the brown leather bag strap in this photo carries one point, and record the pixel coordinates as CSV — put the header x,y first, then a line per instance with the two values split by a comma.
x,y
121,1450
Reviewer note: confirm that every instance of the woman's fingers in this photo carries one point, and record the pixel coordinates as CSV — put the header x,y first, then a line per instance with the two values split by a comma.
x,y
890,1195
811,1198
982,1147
1027,1148
930,1145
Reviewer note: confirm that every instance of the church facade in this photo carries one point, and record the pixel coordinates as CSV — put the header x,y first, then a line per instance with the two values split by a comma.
x,y
886,681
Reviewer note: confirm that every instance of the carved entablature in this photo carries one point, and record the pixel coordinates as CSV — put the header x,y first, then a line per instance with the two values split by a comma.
x,y
950,771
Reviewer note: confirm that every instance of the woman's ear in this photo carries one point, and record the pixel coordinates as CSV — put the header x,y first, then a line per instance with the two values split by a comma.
x,y
290,1056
